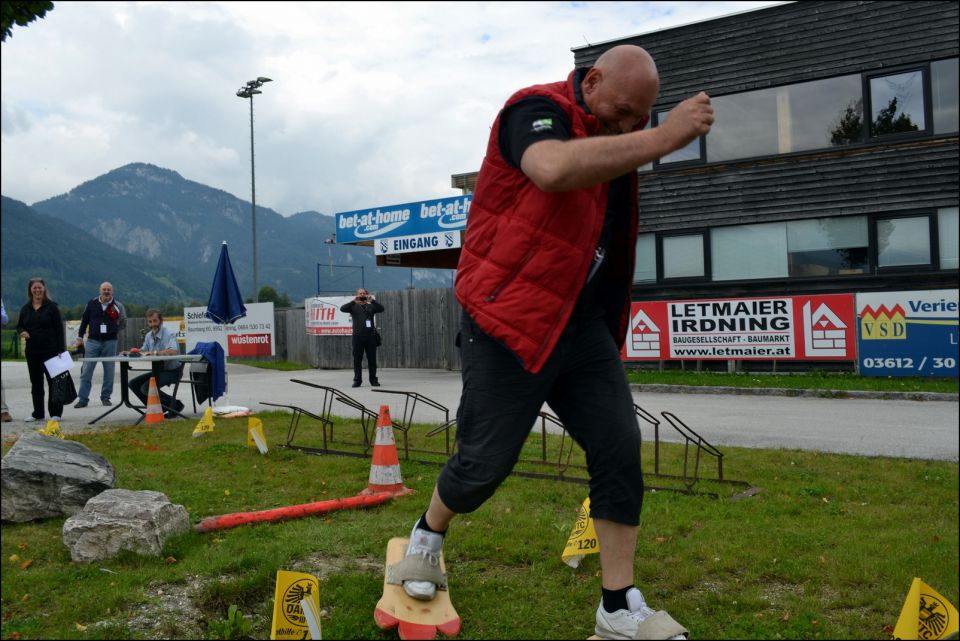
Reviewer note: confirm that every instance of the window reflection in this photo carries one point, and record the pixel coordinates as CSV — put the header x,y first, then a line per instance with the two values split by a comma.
x,y
690,152
646,264
801,117
943,83
683,256
897,103
749,251
949,237
827,246
903,241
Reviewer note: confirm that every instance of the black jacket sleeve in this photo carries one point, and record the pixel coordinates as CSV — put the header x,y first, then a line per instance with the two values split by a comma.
x,y
84,321
61,339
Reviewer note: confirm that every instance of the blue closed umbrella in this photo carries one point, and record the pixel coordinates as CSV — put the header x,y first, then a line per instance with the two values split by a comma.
x,y
226,304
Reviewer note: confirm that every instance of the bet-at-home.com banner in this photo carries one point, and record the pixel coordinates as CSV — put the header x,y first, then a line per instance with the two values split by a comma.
x,y
773,328
252,335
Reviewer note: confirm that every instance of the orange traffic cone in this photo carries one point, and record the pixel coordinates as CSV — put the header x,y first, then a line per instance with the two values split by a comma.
x,y
385,467
154,409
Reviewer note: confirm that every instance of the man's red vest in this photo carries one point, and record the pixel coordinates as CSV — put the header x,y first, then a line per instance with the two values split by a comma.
x,y
526,252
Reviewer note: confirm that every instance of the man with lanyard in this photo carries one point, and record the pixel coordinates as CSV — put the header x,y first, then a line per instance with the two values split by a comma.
x,y
544,280
362,309
104,316
159,341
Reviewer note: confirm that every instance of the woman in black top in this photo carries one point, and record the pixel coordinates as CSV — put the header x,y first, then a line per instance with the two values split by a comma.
x,y
40,325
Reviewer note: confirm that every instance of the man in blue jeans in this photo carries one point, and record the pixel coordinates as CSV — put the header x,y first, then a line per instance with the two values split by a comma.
x,y
159,341
104,317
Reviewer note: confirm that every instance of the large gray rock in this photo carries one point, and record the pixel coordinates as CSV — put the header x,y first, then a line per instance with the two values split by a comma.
x,y
43,477
123,520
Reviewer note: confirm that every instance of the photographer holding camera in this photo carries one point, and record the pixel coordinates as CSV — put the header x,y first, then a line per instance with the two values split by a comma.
x,y
365,337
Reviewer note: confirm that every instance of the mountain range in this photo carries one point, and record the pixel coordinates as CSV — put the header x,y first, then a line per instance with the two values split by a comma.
x,y
156,236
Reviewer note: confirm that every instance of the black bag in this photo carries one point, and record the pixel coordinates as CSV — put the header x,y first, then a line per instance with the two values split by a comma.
x,y
379,340
62,390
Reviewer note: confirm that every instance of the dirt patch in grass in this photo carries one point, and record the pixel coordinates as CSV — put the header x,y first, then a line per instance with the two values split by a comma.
x,y
171,610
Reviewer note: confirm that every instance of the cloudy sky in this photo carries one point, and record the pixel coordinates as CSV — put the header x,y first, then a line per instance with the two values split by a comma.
x,y
371,103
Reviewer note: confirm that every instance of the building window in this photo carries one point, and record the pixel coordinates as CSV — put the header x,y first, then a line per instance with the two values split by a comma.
x,y
693,152
828,246
683,256
810,115
944,96
645,270
947,231
903,241
896,104
749,251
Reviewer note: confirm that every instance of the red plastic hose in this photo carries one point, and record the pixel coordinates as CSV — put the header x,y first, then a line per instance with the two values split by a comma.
x,y
226,521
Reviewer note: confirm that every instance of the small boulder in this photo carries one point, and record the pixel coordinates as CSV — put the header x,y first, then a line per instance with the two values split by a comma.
x,y
43,477
118,520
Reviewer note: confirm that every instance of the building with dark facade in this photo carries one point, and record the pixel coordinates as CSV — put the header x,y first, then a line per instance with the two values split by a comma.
x,y
832,165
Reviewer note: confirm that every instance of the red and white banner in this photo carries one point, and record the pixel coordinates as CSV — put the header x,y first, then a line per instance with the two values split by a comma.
x,y
324,317
249,344
773,328
252,335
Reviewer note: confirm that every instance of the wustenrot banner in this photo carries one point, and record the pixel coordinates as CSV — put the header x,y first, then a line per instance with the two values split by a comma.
x,y
252,335
771,328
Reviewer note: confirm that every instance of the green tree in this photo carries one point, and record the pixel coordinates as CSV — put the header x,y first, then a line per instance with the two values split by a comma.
x,y
888,122
848,128
21,13
269,295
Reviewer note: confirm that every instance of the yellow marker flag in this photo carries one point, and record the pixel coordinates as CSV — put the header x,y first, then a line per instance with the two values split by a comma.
x,y
52,429
583,538
925,614
255,435
205,425
289,620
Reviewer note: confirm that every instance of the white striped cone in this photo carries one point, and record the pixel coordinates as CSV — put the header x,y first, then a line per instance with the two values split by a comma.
x,y
385,467
154,408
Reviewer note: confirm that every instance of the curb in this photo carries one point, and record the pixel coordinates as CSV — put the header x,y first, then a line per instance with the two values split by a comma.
x,y
809,393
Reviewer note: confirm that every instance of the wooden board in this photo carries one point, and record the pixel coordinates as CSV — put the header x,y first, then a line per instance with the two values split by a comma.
x,y
414,619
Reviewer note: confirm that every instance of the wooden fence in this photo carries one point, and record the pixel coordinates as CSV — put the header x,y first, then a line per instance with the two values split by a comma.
x,y
418,326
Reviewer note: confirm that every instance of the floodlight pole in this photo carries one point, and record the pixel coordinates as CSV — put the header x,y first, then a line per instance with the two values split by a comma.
x,y
248,91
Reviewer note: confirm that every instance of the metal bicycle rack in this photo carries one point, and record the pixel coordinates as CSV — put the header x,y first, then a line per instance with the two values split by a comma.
x,y
702,446
409,407
695,446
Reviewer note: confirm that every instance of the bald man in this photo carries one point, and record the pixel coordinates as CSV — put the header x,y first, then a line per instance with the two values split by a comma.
x,y
544,280
104,317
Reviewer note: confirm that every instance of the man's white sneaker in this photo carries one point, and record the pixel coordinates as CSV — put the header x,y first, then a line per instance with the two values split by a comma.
x,y
428,545
624,624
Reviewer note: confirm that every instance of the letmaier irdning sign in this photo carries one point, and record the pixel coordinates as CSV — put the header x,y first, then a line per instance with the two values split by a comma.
x,y
408,219
776,328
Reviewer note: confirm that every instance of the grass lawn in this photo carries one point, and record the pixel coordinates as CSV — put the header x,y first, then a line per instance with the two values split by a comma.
x,y
826,550
808,380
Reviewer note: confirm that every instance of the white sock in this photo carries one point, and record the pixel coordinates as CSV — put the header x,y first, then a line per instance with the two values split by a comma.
x,y
635,600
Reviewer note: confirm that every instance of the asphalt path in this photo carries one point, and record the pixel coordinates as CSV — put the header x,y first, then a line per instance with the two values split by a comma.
x,y
863,426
